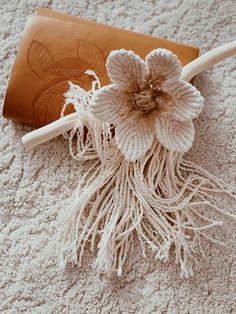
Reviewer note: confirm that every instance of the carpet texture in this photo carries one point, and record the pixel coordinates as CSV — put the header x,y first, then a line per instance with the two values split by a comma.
x,y
36,186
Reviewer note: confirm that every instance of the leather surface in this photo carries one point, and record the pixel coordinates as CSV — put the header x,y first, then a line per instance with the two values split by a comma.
x,y
57,48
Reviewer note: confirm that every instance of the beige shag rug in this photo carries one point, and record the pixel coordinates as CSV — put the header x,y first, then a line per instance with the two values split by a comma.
x,y
35,187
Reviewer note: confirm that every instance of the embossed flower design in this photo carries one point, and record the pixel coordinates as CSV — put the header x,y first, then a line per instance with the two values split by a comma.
x,y
147,99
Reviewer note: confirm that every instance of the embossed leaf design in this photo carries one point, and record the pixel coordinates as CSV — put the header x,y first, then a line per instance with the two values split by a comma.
x,y
39,58
48,102
72,67
93,55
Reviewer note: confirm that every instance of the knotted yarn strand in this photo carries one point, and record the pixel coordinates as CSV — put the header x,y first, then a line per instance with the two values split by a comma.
x,y
161,199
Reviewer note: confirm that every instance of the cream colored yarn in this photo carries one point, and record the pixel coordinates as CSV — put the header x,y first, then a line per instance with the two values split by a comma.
x,y
148,100
139,185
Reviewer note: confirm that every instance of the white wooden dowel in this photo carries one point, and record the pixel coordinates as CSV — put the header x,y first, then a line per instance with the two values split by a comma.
x,y
67,123
207,60
49,131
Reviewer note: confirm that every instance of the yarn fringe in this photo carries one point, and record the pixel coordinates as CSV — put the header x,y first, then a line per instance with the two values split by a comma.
x,y
160,199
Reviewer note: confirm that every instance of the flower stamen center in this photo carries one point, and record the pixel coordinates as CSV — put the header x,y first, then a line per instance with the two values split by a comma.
x,y
150,99
145,100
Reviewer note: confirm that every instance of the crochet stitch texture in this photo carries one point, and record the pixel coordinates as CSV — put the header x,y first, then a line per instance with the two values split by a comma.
x,y
140,185
147,100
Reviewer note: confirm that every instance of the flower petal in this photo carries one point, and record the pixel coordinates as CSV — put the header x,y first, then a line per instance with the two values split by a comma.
x,y
126,69
163,64
133,138
107,103
188,101
174,135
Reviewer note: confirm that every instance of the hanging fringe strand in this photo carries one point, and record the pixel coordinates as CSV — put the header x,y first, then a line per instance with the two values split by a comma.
x,y
161,199
150,199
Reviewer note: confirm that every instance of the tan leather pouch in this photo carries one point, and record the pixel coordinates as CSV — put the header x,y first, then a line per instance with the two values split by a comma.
x,y
57,48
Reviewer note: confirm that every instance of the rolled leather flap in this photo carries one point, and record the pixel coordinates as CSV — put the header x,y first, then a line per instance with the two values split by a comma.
x,y
57,48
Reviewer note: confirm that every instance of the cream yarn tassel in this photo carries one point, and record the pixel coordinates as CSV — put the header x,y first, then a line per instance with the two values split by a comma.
x,y
158,199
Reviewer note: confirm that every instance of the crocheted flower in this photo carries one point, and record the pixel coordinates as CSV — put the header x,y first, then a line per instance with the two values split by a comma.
x,y
147,100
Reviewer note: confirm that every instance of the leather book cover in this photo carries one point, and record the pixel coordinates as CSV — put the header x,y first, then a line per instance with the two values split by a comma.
x,y
56,48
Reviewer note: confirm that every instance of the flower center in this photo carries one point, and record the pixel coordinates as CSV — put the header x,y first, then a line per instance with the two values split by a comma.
x,y
145,100
150,99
